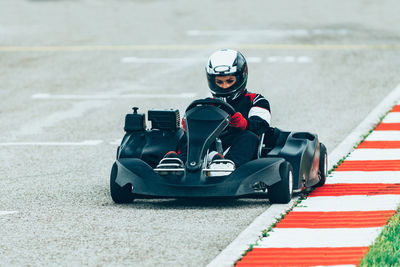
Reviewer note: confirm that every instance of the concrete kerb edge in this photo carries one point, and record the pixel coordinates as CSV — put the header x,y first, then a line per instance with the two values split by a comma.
x,y
252,233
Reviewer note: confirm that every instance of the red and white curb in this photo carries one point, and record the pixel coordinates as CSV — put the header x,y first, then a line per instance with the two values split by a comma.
x,y
338,222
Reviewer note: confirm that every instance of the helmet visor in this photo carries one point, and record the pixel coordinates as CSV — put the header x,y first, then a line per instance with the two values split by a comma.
x,y
224,85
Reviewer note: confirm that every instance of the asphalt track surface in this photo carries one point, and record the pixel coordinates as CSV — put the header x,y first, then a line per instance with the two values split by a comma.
x,y
71,70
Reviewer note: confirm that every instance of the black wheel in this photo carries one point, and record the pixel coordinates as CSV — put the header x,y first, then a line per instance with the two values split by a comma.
x,y
282,191
323,165
119,194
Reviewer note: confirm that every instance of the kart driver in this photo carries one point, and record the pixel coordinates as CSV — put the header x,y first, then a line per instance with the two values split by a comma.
x,y
227,78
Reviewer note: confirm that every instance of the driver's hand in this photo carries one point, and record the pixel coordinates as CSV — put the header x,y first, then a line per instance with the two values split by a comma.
x,y
238,121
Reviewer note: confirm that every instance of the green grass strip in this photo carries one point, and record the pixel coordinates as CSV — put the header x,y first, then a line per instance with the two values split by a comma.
x,y
386,249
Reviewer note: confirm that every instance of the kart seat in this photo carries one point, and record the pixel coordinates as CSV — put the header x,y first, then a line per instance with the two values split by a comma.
x,y
273,138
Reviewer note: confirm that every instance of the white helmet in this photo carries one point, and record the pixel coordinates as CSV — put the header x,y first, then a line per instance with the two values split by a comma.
x,y
226,62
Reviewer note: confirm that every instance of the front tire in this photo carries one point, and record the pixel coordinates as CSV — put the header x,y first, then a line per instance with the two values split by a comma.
x,y
282,191
119,194
323,165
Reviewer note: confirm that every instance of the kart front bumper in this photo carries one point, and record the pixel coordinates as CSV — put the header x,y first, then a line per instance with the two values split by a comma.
x,y
146,182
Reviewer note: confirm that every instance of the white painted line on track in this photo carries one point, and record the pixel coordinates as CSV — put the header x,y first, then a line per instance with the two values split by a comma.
x,y
350,203
83,143
161,60
38,125
2,212
176,60
196,47
250,235
392,117
116,142
337,237
112,96
364,127
289,59
271,59
359,177
272,33
304,59
384,136
374,154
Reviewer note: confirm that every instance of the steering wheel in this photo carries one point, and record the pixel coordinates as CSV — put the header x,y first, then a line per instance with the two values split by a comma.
x,y
212,102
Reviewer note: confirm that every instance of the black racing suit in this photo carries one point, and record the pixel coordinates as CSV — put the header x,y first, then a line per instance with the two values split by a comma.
x,y
243,144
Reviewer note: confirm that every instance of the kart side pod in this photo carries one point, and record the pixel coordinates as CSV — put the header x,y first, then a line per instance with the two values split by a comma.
x,y
299,148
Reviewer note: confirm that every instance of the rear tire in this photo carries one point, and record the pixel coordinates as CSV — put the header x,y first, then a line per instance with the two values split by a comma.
x,y
119,194
282,191
323,166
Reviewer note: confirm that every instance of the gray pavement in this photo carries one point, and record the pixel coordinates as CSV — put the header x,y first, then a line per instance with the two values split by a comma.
x,y
66,76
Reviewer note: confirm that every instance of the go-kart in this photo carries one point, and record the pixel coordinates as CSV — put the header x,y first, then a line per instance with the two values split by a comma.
x,y
286,162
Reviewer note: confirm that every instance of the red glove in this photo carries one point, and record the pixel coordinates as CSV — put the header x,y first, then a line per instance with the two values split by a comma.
x,y
238,121
183,124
